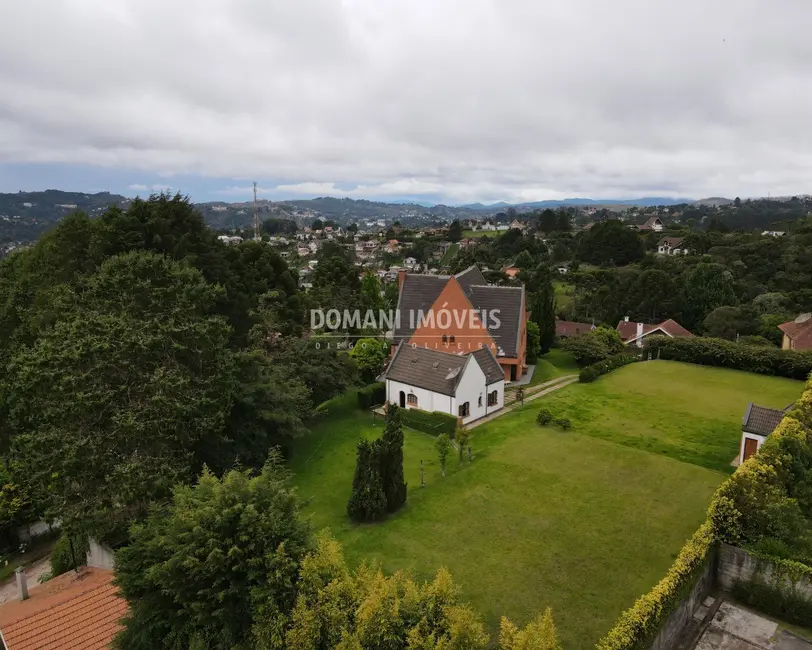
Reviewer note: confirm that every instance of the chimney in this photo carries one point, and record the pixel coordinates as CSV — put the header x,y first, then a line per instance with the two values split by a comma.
x,y
625,319
22,583
401,278
639,329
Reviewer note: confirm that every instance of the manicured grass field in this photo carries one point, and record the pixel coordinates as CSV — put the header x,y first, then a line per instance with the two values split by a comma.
x,y
687,412
473,234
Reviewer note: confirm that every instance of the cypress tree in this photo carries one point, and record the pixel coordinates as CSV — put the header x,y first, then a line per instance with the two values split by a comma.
x,y
543,313
391,460
367,501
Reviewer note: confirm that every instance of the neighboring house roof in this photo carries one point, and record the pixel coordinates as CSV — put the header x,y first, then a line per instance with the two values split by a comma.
x,y
74,611
649,225
671,242
628,329
490,366
761,420
571,328
433,370
420,292
799,332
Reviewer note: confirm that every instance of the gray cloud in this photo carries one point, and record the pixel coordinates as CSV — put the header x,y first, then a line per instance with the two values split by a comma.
x,y
460,99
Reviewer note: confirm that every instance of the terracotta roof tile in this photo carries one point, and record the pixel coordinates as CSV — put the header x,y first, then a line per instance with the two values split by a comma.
x,y
71,612
571,328
799,333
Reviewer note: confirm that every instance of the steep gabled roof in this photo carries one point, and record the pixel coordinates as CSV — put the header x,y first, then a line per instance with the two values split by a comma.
x,y
74,611
761,420
470,276
420,292
433,370
489,365
509,303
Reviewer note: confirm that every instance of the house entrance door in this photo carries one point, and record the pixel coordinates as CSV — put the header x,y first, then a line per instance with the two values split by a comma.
x,y
402,399
750,447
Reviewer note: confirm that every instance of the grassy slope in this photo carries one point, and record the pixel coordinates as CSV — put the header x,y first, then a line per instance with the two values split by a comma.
x,y
554,364
563,296
540,518
449,254
691,413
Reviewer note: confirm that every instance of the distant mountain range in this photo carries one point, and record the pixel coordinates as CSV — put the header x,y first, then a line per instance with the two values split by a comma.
x,y
643,202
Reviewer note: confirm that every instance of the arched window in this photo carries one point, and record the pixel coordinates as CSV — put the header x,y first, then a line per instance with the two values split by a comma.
x,y
464,410
445,339
411,399
493,398
452,339
479,403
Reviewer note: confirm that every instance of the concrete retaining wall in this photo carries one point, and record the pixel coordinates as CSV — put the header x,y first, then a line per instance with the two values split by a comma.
x,y
679,621
737,565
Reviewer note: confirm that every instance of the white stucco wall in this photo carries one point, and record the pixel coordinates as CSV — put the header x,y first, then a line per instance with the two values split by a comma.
x,y
746,434
470,387
426,400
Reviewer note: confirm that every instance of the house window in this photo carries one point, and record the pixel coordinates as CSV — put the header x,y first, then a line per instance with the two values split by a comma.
x,y
453,339
464,410
445,339
411,399
479,403
493,398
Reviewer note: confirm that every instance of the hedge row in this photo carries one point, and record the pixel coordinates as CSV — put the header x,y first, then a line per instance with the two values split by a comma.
x,y
434,422
591,373
372,395
727,354
639,625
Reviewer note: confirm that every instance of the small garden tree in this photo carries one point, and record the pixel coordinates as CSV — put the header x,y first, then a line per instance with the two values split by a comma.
x,y
391,460
368,500
366,609
443,447
539,634
370,355
462,437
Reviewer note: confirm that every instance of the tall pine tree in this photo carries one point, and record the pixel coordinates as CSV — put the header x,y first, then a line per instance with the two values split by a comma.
x,y
391,460
368,500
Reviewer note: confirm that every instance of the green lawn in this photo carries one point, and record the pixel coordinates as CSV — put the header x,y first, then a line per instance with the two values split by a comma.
x,y
555,363
542,517
691,413
564,296
449,254
473,234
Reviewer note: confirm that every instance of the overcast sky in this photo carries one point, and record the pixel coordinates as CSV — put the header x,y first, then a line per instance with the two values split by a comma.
x,y
441,100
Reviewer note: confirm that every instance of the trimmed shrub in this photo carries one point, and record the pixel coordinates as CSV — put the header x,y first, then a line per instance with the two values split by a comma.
x,y
544,417
433,423
727,354
368,500
591,373
564,423
372,395
61,561
638,626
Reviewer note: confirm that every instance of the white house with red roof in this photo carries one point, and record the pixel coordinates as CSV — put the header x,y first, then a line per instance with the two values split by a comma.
x,y
634,333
